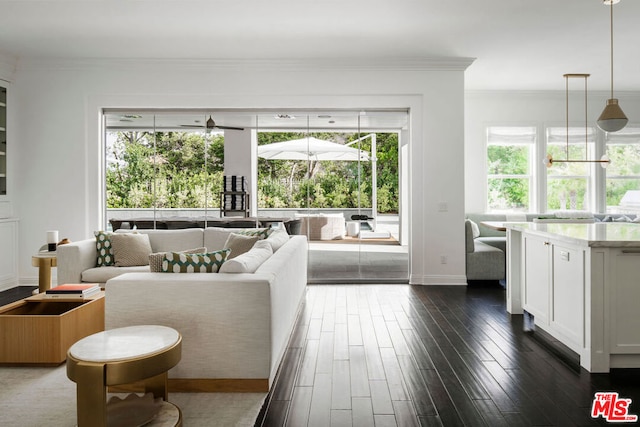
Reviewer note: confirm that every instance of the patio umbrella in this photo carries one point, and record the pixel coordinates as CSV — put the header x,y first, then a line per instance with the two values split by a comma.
x,y
310,149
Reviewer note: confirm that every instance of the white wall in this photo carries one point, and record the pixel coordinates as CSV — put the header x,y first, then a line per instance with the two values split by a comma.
x,y
57,129
543,108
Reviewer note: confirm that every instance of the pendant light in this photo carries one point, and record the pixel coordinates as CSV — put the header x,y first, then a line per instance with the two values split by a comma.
x,y
612,118
549,160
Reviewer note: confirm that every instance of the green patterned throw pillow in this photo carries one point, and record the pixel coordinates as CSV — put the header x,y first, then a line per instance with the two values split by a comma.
x,y
155,260
104,249
178,262
262,233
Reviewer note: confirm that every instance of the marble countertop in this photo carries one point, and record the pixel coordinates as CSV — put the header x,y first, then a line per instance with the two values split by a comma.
x,y
603,234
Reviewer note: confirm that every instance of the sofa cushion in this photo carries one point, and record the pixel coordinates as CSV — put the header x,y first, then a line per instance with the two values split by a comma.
x,y
239,244
496,242
155,260
175,240
179,262
104,249
130,249
278,238
102,274
216,237
485,263
249,261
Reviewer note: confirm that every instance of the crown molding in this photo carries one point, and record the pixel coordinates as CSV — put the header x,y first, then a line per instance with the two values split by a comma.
x,y
548,93
283,64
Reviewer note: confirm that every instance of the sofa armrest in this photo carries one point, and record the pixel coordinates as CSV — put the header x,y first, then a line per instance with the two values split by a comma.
x,y
224,318
74,258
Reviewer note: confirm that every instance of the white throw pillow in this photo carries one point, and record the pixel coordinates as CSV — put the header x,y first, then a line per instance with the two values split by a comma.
x,y
248,262
278,238
475,229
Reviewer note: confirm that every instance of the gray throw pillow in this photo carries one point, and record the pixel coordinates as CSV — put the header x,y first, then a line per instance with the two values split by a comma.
x,y
130,249
239,244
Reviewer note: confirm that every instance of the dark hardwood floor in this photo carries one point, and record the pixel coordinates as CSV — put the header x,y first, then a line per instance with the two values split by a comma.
x,y
401,355
15,294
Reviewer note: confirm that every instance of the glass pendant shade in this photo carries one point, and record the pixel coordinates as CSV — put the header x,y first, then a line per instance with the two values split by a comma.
x,y
612,118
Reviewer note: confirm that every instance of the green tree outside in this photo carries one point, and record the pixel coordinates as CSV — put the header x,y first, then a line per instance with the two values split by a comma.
x,y
185,170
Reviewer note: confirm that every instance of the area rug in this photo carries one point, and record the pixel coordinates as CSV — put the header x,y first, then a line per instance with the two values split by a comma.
x,y
41,396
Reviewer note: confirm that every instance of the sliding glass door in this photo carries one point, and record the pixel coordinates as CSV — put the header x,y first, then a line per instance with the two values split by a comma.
x,y
325,173
333,176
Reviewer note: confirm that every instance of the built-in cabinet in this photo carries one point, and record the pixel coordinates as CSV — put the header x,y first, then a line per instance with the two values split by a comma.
x,y
553,291
3,141
8,253
580,283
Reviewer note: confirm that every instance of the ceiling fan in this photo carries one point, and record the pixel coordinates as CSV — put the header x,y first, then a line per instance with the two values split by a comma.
x,y
211,124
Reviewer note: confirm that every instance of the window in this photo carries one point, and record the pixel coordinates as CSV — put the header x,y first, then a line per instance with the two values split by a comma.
x,y
623,174
509,168
163,170
569,184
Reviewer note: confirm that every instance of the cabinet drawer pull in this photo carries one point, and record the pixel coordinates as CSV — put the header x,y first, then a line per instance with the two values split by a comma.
x,y
546,243
631,251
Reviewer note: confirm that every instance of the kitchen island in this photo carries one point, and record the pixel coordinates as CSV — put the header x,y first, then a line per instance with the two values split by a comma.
x,y
581,283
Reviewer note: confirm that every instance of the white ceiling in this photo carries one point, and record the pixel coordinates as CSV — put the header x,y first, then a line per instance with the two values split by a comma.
x,y
519,44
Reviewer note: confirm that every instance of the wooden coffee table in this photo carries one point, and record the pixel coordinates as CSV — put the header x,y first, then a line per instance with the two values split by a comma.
x,y
40,330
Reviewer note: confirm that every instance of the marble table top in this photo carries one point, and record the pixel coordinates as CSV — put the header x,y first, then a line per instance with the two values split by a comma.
x,y
123,344
602,234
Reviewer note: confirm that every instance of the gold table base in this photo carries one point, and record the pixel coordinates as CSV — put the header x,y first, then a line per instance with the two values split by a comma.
x,y
93,378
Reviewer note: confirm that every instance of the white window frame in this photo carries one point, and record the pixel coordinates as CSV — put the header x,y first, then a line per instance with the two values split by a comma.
x,y
514,141
576,138
630,135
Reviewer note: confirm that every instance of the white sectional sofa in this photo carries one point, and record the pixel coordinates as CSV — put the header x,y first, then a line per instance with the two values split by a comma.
x,y
235,326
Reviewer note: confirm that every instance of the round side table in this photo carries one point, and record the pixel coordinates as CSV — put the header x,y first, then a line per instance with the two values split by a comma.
x,y
123,356
44,261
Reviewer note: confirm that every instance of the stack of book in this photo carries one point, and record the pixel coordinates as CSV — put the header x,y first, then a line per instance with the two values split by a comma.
x,y
73,291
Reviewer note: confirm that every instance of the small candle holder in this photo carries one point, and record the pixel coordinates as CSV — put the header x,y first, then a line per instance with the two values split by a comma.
x,y
52,240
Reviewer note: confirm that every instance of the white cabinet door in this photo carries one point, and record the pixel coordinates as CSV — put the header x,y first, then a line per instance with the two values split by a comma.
x,y
567,293
625,297
8,254
536,278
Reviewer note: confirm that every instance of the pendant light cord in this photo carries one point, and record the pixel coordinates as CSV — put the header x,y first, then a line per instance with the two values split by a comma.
x,y
586,118
611,38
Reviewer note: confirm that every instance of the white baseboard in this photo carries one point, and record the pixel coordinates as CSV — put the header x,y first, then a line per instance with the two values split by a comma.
x,y
7,285
433,279
29,281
